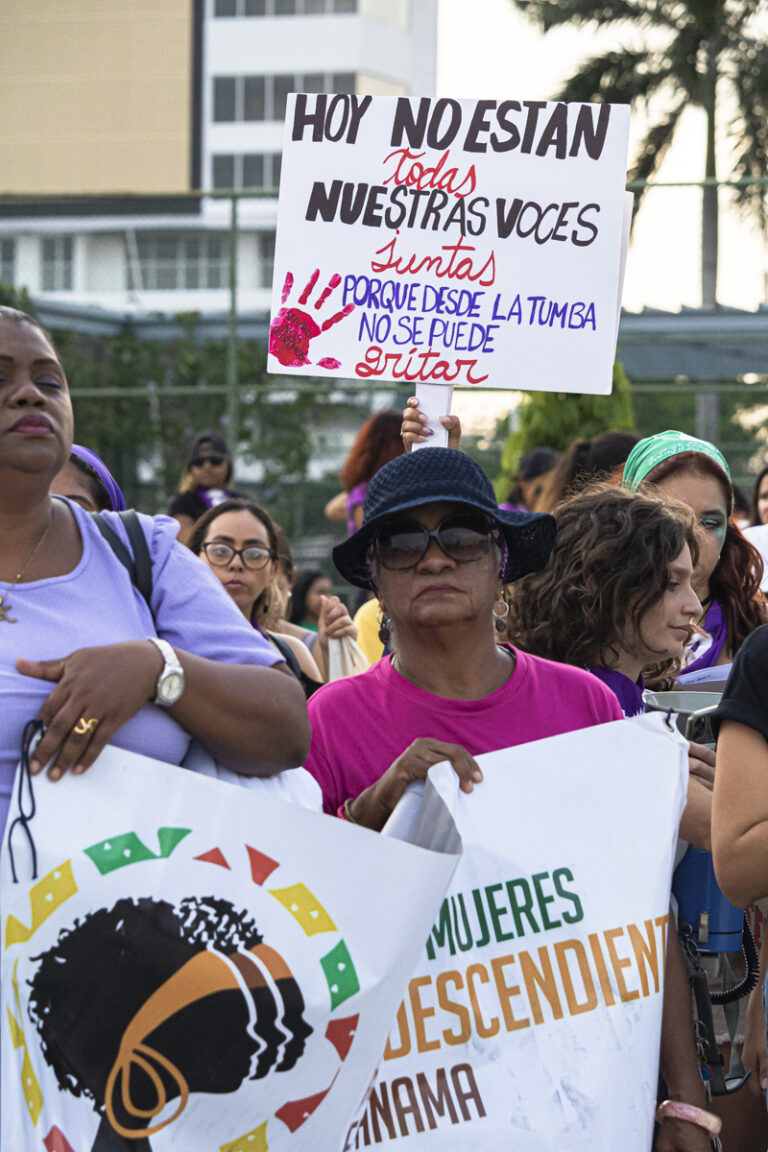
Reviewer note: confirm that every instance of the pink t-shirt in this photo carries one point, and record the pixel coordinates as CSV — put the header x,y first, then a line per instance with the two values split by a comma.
x,y
361,724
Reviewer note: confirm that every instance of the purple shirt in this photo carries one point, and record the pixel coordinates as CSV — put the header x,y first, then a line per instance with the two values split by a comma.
x,y
354,499
361,724
96,604
629,693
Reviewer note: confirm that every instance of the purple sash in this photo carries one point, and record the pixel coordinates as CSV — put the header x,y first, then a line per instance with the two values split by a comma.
x,y
711,647
213,496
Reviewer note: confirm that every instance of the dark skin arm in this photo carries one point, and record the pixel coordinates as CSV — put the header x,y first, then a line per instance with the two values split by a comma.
x,y
679,1064
373,807
253,720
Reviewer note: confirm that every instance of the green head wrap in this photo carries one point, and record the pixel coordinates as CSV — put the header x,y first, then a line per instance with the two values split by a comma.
x,y
654,449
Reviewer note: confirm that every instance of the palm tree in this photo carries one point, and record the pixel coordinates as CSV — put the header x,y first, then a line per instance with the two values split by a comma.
x,y
712,52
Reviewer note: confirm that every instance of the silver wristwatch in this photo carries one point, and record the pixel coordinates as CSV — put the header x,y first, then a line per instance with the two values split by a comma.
x,y
170,682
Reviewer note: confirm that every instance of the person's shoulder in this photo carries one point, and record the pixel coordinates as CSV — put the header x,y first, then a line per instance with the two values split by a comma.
x,y
753,653
160,531
186,504
577,683
756,644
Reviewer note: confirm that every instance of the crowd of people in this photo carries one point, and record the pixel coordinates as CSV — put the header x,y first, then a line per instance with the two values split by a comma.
x,y
611,568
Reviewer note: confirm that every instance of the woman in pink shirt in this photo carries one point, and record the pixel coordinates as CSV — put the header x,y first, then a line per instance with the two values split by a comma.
x,y
438,552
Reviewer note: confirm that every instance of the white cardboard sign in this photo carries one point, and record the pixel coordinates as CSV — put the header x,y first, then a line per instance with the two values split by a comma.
x,y
532,1019
192,966
450,242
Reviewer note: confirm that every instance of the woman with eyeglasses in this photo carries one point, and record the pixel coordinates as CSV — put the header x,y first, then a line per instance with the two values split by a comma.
x,y
204,483
237,541
438,552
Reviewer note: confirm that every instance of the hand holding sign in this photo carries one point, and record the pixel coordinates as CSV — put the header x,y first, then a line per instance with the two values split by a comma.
x,y
293,329
417,431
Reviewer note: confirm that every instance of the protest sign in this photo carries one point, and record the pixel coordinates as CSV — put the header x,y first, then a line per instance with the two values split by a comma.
x,y
532,1019
189,965
438,241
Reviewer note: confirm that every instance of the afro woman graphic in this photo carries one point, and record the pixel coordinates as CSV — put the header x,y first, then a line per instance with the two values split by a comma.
x,y
139,1005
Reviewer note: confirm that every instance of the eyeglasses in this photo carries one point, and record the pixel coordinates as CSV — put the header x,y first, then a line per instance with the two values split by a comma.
x,y
220,555
463,537
200,460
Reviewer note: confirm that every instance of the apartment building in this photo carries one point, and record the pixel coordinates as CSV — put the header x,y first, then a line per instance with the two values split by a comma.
x,y
125,122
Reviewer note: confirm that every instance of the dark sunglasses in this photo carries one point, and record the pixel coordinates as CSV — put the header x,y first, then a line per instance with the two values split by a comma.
x,y
200,460
463,537
220,555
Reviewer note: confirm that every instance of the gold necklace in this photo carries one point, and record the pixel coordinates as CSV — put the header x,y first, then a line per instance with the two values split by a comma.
x,y
5,608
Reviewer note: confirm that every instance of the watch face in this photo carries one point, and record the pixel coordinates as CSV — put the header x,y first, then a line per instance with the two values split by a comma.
x,y
171,688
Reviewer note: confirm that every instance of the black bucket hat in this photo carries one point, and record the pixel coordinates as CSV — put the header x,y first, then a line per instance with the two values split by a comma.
x,y
443,475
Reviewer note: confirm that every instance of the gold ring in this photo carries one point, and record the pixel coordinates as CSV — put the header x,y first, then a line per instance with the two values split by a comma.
x,y
84,726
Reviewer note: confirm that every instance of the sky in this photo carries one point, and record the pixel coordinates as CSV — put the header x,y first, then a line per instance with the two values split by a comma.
x,y
486,48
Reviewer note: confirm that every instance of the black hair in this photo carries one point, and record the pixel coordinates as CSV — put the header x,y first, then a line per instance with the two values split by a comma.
x,y
304,581
91,984
99,493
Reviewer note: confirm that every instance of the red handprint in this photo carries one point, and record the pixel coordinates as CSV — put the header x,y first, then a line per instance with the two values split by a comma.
x,y
292,328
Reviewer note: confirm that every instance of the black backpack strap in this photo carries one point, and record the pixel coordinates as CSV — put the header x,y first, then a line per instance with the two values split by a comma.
x,y
139,565
141,556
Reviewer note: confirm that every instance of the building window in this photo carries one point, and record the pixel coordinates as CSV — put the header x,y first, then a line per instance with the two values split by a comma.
x,y
7,261
264,97
173,262
246,170
57,263
230,8
225,98
266,258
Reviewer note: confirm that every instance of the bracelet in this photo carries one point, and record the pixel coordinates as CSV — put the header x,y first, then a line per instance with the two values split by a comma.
x,y
345,813
677,1110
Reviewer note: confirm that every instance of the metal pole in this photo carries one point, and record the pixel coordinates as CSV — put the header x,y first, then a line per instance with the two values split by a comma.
x,y
708,416
233,412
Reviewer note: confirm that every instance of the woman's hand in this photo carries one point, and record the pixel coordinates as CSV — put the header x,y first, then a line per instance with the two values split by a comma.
x,y
680,1136
334,621
97,691
414,427
373,807
701,763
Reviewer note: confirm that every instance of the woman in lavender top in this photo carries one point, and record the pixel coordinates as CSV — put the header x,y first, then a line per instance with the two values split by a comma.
x,y
74,647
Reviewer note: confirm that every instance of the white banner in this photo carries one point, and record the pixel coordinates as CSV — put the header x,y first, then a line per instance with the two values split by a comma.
x,y
532,1020
438,241
190,965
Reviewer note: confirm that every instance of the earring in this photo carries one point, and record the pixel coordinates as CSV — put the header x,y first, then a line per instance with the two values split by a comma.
x,y
500,617
384,633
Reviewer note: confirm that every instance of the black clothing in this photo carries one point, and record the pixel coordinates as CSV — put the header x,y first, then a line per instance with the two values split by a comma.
x,y
745,699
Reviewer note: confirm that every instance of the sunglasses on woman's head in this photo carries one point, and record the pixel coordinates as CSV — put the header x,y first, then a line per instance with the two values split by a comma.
x,y
463,537
200,460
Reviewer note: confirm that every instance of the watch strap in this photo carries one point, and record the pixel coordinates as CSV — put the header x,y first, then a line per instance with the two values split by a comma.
x,y
171,664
